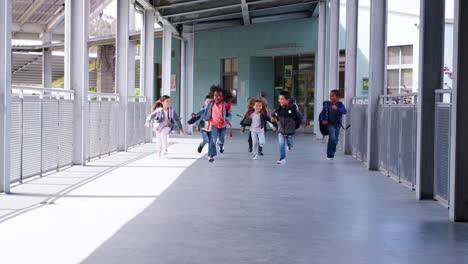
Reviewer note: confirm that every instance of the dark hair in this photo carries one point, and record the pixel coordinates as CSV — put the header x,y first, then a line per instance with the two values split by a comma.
x,y
208,97
159,103
253,101
286,94
337,93
216,88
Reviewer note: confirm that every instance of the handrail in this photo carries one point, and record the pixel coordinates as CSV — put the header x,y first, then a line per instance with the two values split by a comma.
x,y
360,100
133,98
399,99
443,96
100,96
43,92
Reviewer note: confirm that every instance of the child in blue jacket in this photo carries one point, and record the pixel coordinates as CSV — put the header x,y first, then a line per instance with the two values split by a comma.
x,y
332,116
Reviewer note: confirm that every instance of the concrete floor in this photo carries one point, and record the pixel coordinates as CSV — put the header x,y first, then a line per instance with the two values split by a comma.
x,y
132,208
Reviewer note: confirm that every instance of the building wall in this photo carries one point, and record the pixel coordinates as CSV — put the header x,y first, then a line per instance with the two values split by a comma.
x,y
250,45
175,68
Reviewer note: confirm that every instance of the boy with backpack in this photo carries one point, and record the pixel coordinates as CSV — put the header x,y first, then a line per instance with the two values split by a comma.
x,y
289,119
331,117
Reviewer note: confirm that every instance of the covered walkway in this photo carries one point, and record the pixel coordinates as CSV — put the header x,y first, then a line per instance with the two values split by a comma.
x,y
131,208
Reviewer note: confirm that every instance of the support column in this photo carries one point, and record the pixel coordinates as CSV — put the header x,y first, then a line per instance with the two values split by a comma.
x,y
122,67
334,66
351,66
188,35
5,92
378,37
147,65
166,60
459,119
321,51
131,53
47,62
105,69
431,63
183,84
76,71
147,60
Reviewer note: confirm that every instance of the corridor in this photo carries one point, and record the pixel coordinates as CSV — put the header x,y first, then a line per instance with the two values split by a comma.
x,y
132,208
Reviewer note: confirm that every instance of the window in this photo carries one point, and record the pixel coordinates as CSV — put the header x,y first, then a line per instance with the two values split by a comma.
x,y
400,69
230,79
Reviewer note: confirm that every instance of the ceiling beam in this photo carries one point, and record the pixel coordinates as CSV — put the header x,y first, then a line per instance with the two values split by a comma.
x,y
245,12
290,16
203,10
30,11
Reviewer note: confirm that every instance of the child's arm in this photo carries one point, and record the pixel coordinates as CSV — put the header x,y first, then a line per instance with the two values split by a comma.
x,y
229,116
179,124
151,116
273,124
342,109
301,117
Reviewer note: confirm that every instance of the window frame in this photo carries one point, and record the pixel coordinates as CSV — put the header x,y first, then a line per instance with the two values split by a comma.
x,y
400,67
233,76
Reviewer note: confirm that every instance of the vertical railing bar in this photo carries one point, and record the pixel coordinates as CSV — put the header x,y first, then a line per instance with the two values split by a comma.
x,y
59,128
42,135
21,140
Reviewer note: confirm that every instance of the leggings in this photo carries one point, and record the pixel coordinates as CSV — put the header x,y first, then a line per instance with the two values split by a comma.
x,y
162,136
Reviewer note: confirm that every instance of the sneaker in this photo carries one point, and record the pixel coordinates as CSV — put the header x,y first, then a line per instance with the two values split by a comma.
x,y
221,149
260,151
289,149
158,154
281,161
199,149
210,159
255,157
330,157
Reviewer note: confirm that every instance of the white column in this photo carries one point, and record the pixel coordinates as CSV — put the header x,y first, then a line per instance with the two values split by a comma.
x,y
333,72
431,63
321,54
76,71
351,65
183,83
189,36
131,52
47,62
5,91
166,60
459,129
147,60
122,67
377,67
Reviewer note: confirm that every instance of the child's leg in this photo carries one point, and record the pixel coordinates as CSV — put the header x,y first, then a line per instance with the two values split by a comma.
x,y
250,141
212,144
254,142
164,135
159,142
290,141
282,142
206,138
332,140
261,139
221,133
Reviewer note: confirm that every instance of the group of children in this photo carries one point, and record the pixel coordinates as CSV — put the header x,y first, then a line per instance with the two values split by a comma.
x,y
214,118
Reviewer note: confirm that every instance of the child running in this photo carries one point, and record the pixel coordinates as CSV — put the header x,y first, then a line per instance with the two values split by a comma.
x,y
256,118
289,119
218,114
332,116
203,126
164,120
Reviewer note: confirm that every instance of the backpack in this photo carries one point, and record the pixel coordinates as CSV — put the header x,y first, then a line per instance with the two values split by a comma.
x,y
324,129
295,117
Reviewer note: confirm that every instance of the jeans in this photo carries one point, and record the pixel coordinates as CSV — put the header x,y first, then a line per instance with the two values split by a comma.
x,y
217,137
258,140
283,141
206,137
334,131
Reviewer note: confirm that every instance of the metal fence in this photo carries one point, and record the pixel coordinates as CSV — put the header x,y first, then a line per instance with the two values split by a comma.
x,y
442,146
41,131
397,129
42,128
359,128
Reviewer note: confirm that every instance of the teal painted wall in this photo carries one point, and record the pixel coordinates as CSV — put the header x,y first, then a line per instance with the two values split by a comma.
x,y
262,78
175,68
247,43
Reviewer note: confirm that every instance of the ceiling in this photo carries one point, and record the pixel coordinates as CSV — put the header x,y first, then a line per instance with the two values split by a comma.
x,y
214,14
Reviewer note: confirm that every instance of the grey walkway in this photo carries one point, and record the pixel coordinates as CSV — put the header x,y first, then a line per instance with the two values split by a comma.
x,y
184,210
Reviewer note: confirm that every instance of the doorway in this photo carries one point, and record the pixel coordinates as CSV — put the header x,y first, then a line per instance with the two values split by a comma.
x,y
296,74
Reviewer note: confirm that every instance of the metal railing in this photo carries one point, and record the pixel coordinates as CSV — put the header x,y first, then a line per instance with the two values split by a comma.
x,y
41,131
42,128
359,127
397,130
442,145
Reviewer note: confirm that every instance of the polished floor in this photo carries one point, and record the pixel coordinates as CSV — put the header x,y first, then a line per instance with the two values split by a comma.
x,y
132,208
